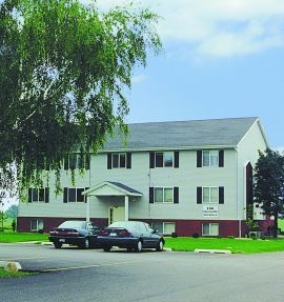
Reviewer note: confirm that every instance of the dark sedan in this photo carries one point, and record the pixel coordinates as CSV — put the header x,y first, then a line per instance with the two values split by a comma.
x,y
75,232
132,235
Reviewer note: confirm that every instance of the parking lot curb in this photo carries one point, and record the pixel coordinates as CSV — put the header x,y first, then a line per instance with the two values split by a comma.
x,y
210,251
11,266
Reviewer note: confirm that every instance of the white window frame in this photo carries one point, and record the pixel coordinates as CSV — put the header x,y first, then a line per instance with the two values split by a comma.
x,y
210,158
211,198
173,224
38,192
76,158
165,155
212,227
76,195
121,163
164,192
39,224
160,226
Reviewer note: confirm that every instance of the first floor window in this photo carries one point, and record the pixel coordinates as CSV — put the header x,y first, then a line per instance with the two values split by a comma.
x,y
36,225
210,229
210,195
38,195
73,195
165,228
164,195
169,228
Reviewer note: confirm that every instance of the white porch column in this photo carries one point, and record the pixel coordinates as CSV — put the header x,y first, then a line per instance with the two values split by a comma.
x,y
87,208
126,207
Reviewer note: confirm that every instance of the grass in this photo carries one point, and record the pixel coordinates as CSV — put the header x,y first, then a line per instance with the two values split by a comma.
x,y
243,246
9,237
4,274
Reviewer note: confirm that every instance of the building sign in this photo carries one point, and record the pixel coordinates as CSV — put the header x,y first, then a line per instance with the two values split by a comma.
x,y
210,211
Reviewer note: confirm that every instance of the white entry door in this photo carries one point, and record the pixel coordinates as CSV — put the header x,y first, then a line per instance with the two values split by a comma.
x,y
115,214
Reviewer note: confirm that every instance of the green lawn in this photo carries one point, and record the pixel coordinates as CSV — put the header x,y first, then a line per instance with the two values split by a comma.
x,y
10,237
244,246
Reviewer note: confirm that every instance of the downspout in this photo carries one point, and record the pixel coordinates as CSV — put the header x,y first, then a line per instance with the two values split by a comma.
x,y
238,196
88,197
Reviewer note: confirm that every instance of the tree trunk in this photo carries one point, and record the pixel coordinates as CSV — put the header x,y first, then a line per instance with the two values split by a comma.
x,y
275,228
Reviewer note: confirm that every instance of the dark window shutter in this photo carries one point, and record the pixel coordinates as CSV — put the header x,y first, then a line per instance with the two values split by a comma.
x,y
199,194
176,194
152,160
66,163
85,196
221,158
46,195
199,158
65,195
176,159
87,161
128,160
151,195
30,195
109,163
221,195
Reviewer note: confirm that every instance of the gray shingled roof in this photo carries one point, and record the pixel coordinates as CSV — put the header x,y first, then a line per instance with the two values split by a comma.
x,y
183,134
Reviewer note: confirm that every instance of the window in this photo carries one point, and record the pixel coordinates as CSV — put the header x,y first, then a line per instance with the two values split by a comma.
x,y
164,159
36,225
210,158
210,195
73,195
38,195
119,160
166,228
77,161
210,229
164,194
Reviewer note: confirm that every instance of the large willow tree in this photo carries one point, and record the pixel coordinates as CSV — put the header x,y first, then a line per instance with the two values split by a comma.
x,y
63,70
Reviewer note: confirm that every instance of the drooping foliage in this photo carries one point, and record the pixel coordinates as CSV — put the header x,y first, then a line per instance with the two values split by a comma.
x,y
63,70
269,185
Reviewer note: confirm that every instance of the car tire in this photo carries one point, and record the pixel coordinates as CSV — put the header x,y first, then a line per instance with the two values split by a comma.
x,y
107,248
57,245
160,246
138,247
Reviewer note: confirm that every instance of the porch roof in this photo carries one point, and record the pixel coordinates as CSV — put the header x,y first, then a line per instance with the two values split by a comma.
x,y
111,188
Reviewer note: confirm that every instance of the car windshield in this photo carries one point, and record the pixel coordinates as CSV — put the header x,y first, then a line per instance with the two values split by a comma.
x,y
72,224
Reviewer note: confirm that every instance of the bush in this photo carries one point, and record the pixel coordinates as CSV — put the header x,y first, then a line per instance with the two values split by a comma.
x,y
195,235
174,235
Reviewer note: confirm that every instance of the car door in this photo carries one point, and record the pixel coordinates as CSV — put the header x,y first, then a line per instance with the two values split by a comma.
x,y
92,231
149,236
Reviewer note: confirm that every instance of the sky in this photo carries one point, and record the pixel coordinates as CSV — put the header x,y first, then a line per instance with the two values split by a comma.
x,y
220,59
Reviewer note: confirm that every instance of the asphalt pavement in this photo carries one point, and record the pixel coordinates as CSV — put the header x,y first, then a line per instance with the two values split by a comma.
x,y
71,274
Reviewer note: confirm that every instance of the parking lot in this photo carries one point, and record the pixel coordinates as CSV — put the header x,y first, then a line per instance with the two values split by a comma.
x,y
71,274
